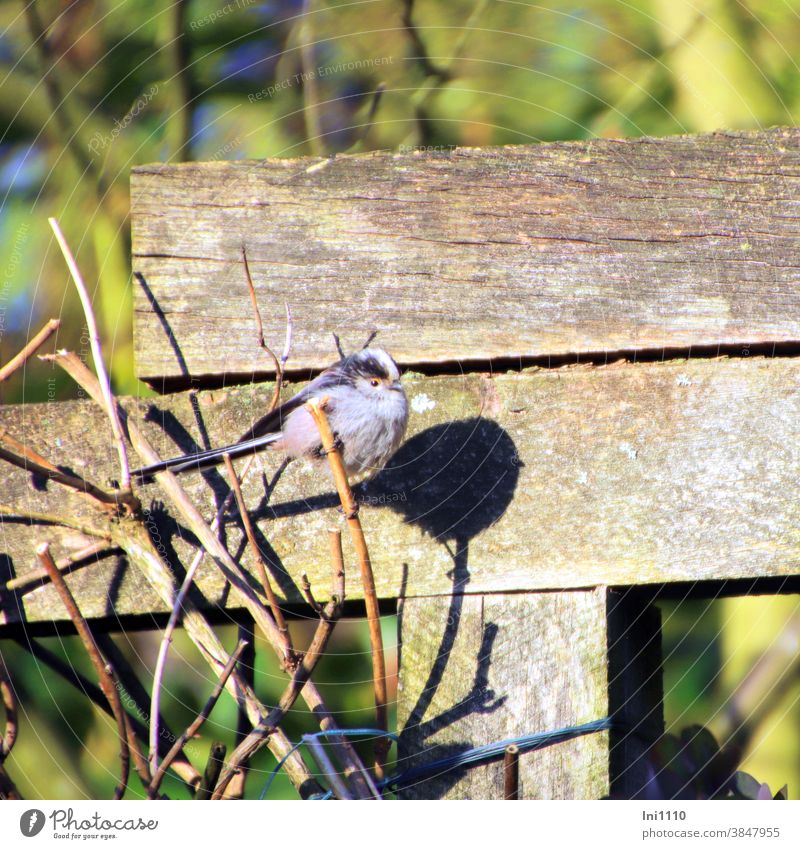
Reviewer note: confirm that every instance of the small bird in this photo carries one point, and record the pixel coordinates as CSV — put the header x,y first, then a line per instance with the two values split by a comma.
x,y
367,410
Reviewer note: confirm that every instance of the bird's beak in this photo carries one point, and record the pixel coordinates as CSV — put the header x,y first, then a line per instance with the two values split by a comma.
x,y
397,386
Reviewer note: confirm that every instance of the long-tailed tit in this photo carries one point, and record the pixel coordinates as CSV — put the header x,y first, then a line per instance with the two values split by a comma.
x,y
367,410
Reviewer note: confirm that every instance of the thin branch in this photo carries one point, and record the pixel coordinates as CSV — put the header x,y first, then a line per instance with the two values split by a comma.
x,y
137,732
28,460
9,699
198,721
370,120
305,588
511,773
64,564
97,356
287,345
216,759
38,340
326,767
33,516
246,668
104,671
136,699
328,617
350,507
178,608
279,364
272,600
239,585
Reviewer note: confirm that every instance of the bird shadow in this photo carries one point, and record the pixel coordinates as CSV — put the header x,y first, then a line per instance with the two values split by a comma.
x,y
453,481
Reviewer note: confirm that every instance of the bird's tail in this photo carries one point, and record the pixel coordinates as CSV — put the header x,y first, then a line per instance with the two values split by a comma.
x,y
204,459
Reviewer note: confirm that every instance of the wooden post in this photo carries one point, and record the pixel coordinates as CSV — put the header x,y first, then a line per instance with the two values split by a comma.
x,y
480,669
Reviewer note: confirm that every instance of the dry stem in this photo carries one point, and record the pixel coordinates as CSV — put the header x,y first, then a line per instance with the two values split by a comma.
x,y
328,618
350,507
198,721
104,671
272,600
27,459
38,340
97,355
64,564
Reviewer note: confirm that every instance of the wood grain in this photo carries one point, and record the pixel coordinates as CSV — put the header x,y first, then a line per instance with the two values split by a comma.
x,y
478,669
584,476
526,251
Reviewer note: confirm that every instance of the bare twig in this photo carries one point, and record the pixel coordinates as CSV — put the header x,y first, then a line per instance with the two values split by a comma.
x,y
305,588
97,355
9,699
38,340
287,345
198,721
64,564
350,507
246,668
178,608
276,394
435,74
370,120
328,618
216,758
104,671
137,730
135,700
33,516
326,767
272,600
27,459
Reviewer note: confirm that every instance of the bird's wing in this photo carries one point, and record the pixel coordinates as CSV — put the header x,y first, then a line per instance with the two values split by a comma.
x,y
273,421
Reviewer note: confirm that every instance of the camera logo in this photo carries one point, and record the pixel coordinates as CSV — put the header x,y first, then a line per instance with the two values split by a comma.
x,y
31,822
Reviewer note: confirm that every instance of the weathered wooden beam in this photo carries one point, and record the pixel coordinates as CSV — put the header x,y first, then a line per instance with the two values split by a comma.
x,y
531,251
628,474
477,670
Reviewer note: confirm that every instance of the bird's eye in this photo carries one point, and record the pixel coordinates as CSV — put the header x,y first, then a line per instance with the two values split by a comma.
x,y
374,382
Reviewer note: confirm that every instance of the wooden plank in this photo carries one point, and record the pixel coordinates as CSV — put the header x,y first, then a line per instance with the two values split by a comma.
x,y
479,669
530,251
572,477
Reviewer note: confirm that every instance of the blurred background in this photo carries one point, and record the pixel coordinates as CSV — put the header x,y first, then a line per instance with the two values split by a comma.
x,y
91,88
